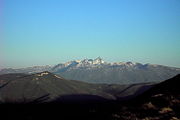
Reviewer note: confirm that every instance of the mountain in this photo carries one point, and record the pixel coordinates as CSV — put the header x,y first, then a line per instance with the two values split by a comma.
x,y
29,70
161,102
99,71
59,98
48,87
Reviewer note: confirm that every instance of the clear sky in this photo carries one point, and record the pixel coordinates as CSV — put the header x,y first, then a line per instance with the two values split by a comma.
x,y
47,32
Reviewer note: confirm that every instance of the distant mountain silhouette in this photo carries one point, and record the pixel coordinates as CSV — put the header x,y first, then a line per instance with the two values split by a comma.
x,y
100,71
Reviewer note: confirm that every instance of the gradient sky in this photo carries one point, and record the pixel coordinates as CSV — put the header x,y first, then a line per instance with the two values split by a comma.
x,y
47,32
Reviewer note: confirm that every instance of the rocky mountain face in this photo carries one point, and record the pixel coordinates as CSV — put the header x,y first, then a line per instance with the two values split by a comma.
x,y
99,71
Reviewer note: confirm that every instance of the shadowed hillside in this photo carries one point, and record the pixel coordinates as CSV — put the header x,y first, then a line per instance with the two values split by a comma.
x,y
47,87
161,102
51,97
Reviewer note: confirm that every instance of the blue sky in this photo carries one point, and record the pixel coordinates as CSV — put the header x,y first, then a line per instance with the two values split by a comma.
x,y
47,32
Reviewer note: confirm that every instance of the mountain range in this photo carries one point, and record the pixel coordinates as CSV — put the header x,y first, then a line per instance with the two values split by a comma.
x,y
99,71
45,95
47,87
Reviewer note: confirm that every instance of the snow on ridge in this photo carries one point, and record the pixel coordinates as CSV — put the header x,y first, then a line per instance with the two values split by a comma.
x,y
96,62
58,77
42,74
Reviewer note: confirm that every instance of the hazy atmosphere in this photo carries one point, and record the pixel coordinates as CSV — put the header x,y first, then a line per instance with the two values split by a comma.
x,y
90,59
47,32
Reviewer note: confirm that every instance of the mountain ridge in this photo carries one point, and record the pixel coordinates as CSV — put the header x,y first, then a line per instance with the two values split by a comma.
x,y
159,102
26,88
100,71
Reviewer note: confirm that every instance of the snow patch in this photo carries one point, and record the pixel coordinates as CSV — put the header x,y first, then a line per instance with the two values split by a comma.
x,y
42,74
58,76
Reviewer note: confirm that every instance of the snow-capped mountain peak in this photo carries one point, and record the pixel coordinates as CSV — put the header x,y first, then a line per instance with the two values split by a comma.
x,y
98,61
89,62
99,71
71,63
